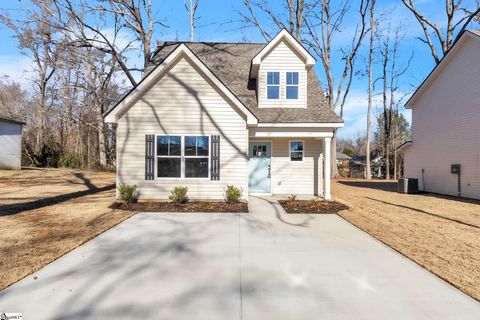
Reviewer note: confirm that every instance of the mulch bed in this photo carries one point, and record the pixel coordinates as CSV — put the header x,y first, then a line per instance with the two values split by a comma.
x,y
312,206
192,206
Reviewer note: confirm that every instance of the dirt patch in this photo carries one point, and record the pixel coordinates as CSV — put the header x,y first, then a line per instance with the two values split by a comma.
x,y
192,206
440,233
312,206
47,213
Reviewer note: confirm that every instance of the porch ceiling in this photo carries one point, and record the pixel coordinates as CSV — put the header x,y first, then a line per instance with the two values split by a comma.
x,y
290,132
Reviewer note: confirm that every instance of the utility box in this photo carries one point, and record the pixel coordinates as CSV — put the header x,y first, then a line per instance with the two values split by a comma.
x,y
455,169
407,185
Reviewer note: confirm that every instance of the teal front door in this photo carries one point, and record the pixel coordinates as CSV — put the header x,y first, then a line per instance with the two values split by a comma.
x,y
259,177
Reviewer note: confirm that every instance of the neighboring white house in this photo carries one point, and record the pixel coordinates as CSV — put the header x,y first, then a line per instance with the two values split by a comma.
x,y
216,114
10,143
446,123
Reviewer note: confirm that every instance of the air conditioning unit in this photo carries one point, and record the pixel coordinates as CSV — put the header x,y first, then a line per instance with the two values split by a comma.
x,y
407,185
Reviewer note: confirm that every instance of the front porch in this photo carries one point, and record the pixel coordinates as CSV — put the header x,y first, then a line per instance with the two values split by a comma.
x,y
290,161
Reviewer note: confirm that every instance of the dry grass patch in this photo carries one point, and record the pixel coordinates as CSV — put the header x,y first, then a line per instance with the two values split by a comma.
x,y
439,233
47,213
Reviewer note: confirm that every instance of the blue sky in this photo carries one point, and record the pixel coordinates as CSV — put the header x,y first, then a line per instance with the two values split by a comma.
x,y
219,21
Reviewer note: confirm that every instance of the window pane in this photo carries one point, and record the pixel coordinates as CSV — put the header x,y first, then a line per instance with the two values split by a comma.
x,y
162,145
292,78
273,77
273,92
296,146
168,168
202,146
190,143
292,92
196,167
296,156
175,145
295,78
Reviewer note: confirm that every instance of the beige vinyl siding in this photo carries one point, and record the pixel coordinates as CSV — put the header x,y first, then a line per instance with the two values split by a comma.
x,y
282,58
182,102
446,126
296,177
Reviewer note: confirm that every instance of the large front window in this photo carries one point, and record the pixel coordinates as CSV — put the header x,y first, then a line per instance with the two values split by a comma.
x,y
182,156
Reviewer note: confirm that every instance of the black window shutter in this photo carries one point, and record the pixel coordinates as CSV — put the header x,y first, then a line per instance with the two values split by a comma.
x,y
215,157
149,157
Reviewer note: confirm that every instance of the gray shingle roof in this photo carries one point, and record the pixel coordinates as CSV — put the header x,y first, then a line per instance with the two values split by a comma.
x,y
230,62
10,119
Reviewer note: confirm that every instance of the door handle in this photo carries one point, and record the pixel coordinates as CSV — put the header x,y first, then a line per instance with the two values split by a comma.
x,y
269,171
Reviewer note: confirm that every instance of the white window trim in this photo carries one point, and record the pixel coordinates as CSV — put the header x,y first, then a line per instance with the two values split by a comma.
x,y
290,150
292,85
279,85
182,157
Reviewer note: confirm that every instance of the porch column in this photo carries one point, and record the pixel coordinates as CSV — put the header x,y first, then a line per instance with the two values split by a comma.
x,y
326,168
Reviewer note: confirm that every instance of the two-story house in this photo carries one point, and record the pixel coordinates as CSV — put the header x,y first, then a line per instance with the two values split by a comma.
x,y
216,114
444,154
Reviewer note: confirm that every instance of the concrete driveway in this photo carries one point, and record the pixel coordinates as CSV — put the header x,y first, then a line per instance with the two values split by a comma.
x,y
263,265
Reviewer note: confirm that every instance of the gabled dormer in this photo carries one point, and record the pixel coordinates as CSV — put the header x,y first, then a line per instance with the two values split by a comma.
x,y
280,73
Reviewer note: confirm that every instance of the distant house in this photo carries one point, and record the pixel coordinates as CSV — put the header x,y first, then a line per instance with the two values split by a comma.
x,y
342,158
10,143
446,123
358,167
210,115
343,164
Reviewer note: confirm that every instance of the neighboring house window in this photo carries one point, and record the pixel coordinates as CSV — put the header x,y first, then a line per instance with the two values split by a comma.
x,y
182,156
292,85
296,150
273,85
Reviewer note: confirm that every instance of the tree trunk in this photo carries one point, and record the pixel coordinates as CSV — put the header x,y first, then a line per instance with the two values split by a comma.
x,y
101,141
395,173
370,90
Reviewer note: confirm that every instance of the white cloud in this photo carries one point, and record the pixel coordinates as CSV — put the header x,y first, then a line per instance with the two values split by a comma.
x,y
17,68
355,113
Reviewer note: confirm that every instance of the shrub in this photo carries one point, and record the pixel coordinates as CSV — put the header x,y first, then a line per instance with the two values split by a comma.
x,y
47,157
291,199
69,160
128,193
233,194
179,195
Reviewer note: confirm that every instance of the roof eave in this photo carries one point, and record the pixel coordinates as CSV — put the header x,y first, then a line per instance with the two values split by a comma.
x,y
460,39
283,34
113,115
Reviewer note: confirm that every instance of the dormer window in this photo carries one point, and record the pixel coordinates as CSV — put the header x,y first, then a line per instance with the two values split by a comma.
x,y
273,85
292,85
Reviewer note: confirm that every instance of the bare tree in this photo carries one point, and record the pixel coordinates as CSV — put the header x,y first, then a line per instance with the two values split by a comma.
x,y
191,8
323,24
295,10
75,20
370,89
391,72
36,39
457,19
295,15
73,86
